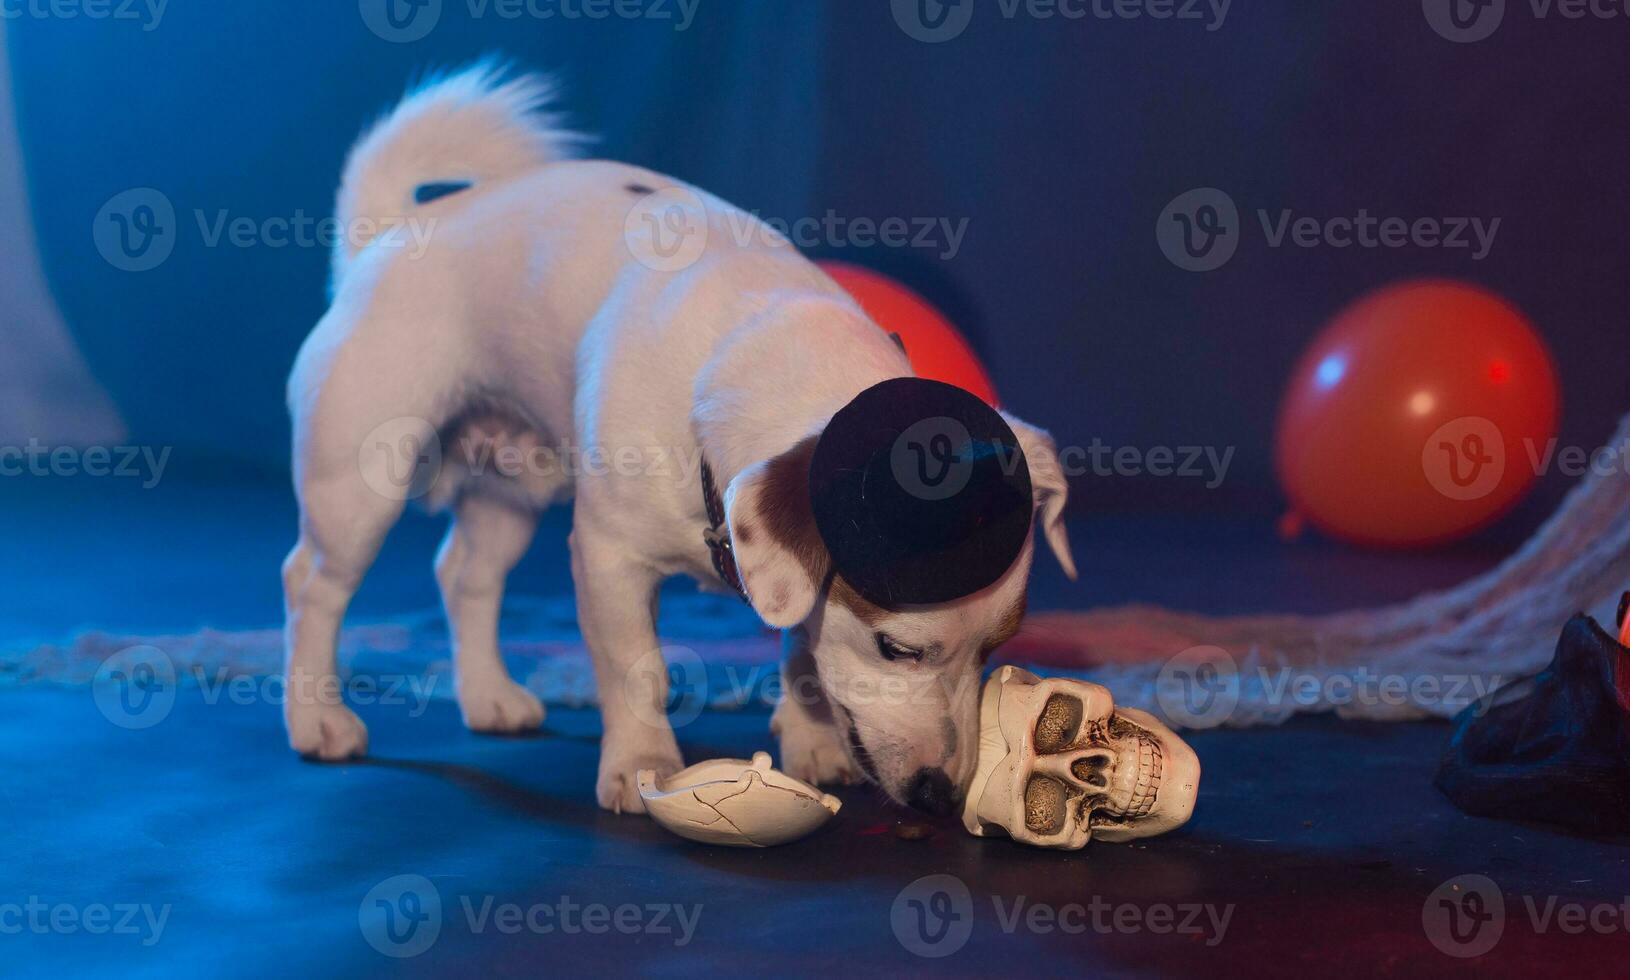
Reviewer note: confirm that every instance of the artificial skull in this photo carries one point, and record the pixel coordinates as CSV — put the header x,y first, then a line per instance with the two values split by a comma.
x,y
1059,764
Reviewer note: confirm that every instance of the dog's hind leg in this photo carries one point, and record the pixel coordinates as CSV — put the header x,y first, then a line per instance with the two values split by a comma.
x,y
364,444
342,524
488,536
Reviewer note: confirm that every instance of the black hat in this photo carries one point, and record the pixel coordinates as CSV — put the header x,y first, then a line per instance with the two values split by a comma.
x,y
921,493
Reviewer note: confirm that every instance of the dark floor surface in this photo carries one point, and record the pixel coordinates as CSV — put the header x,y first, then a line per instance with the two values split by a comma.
x,y
1319,847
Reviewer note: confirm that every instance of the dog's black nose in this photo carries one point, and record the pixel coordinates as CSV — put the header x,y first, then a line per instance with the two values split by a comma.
x,y
931,792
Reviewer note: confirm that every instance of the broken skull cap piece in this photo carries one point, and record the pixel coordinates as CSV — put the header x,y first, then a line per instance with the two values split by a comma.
x,y
1060,764
921,493
736,803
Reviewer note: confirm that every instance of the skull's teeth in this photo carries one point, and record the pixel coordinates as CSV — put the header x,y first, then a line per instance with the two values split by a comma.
x,y
1147,786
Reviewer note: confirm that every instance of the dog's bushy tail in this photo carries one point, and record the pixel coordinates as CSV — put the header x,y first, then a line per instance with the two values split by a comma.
x,y
453,134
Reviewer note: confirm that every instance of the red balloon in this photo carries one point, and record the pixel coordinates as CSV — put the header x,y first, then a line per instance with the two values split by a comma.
x,y
1415,416
936,349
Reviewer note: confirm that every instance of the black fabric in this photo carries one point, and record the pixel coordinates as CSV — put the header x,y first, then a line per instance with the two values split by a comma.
x,y
921,493
1554,748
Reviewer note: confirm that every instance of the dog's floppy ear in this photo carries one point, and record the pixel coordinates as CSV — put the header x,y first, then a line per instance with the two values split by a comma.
x,y
1049,486
779,553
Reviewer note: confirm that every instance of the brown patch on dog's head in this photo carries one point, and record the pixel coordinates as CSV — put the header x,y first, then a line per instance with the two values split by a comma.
x,y
783,561
1006,627
872,614
785,511
863,609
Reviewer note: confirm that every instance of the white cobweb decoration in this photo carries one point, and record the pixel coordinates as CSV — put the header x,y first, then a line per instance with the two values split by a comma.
x,y
1430,656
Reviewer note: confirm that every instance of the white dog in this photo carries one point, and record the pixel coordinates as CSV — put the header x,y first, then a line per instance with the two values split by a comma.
x,y
513,301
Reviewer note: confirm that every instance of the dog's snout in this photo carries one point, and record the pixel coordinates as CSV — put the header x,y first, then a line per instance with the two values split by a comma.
x,y
931,792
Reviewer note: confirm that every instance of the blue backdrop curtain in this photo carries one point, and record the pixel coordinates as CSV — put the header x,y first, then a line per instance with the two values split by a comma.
x,y
1059,141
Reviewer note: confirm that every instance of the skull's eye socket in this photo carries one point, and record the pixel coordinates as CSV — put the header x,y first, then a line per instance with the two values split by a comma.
x,y
1060,720
1044,805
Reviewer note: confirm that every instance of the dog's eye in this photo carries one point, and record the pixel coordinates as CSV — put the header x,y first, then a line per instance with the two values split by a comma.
x,y
892,650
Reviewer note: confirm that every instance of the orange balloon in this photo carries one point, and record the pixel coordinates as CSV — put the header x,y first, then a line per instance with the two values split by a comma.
x,y
1415,416
937,351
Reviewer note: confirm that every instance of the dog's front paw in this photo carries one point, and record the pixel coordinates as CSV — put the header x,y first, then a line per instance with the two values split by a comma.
x,y
615,788
814,753
328,732
499,706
